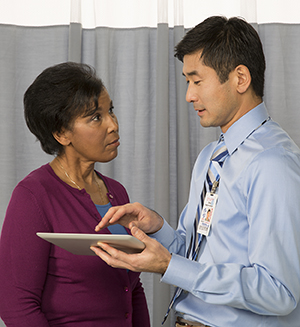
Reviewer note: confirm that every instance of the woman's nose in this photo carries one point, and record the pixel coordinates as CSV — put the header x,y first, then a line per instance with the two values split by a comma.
x,y
113,125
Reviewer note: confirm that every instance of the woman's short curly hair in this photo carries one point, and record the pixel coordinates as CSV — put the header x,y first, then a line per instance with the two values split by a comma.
x,y
57,96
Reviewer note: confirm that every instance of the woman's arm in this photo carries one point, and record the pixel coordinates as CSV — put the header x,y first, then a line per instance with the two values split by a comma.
x,y
23,262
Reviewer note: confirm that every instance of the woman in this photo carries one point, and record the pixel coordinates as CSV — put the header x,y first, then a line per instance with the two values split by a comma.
x,y
70,112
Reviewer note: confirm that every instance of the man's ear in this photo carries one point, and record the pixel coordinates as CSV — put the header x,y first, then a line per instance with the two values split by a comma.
x,y
243,78
62,137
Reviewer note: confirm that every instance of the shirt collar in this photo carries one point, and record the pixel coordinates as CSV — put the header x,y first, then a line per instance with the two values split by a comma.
x,y
246,125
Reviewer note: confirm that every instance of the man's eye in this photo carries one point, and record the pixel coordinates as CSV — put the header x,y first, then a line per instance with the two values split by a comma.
x,y
111,110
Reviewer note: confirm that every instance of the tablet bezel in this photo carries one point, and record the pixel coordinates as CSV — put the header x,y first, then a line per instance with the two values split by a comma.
x,y
80,244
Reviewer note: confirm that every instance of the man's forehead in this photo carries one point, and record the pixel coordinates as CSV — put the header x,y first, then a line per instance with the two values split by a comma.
x,y
192,63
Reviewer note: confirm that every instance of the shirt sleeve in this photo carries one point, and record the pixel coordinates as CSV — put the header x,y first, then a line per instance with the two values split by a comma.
x,y
173,240
23,262
269,283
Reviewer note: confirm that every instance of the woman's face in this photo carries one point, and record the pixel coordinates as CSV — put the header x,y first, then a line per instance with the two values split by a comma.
x,y
95,137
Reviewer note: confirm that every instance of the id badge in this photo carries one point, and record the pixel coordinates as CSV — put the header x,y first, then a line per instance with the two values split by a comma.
x,y
207,213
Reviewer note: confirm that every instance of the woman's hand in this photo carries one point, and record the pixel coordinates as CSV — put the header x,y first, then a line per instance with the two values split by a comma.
x,y
155,258
145,219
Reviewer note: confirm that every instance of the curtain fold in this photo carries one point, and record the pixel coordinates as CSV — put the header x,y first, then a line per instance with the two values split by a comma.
x,y
182,137
75,42
162,164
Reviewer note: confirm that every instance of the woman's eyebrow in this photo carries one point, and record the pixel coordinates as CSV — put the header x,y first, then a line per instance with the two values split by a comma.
x,y
91,111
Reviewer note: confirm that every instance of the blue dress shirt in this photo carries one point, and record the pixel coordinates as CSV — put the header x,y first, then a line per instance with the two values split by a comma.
x,y
248,270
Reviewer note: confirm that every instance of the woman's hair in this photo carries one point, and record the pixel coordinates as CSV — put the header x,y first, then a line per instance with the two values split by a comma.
x,y
225,44
57,96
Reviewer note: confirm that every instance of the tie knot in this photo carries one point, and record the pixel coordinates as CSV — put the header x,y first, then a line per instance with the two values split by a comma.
x,y
220,152
217,159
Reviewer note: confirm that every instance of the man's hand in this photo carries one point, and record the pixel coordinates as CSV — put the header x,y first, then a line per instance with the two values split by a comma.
x,y
145,219
155,258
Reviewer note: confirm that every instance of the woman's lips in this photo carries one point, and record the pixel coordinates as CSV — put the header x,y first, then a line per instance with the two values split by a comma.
x,y
114,143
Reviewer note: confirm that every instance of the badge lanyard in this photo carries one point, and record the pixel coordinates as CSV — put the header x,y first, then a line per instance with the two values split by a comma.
x,y
206,216
203,229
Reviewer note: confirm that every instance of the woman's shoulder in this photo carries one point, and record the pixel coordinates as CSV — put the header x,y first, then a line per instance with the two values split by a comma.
x,y
37,176
42,182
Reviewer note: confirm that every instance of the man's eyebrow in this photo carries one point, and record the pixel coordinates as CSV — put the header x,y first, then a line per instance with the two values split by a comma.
x,y
192,73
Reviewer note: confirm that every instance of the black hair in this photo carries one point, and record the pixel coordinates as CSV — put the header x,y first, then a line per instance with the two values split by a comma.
x,y
225,44
57,96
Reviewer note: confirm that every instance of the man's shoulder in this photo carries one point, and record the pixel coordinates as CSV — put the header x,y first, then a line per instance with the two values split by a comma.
x,y
273,138
270,150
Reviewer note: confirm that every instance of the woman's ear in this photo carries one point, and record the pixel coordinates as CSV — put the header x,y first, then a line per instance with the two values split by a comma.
x,y
62,137
243,78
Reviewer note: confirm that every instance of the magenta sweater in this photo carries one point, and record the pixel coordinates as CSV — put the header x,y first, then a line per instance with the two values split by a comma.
x,y
44,285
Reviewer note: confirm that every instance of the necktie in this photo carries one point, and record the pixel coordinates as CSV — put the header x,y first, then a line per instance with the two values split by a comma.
x,y
212,178
216,161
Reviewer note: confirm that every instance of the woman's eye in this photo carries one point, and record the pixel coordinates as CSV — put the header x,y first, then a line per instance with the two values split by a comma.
x,y
96,117
111,110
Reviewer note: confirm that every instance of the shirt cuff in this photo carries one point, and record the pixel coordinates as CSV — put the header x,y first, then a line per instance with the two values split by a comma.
x,y
165,235
182,272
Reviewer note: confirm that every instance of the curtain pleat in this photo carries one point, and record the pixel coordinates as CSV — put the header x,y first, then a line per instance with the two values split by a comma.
x,y
162,149
75,42
182,135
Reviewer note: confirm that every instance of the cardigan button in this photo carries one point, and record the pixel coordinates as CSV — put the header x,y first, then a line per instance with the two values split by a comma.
x,y
111,196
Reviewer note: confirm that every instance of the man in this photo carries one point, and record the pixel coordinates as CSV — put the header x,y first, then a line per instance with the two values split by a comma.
x,y
247,270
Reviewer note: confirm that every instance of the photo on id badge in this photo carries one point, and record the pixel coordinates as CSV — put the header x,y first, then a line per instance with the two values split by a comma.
x,y
208,215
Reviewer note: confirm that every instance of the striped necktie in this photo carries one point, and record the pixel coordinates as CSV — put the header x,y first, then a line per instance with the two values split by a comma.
x,y
216,161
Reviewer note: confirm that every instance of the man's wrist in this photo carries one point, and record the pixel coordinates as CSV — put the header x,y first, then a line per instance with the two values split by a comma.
x,y
160,222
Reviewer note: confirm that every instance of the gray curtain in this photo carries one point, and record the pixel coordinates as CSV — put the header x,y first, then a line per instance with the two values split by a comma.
x,y
160,133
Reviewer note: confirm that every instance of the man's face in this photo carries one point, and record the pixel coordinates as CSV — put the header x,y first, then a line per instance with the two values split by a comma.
x,y
217,104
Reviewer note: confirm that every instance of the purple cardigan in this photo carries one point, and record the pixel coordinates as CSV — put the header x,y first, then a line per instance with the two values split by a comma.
x,y
44,285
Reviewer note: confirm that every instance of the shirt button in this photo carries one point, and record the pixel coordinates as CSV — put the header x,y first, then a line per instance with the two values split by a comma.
x,y
127,315
126,289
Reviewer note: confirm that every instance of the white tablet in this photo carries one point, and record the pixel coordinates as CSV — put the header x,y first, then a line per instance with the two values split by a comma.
x,y
80,243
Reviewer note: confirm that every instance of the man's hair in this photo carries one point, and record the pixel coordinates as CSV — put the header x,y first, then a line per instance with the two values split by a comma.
x,y
58,96
225,44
